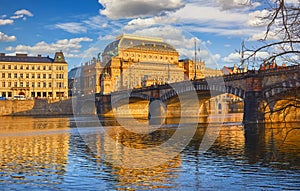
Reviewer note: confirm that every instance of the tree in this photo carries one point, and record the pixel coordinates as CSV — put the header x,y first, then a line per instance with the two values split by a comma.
x,y
283,22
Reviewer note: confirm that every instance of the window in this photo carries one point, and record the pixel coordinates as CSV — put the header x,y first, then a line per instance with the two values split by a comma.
x,y
9,84
9,75
50,85
27,67
15,84
38,68
3,66
32,76
21,75
44,76
3,75
44,67
27,84
32,67
15,67
50,67
21,84
39,76
49,76
44,84
9,66
16,75
39,84
27,76
3,84
21,67
59,85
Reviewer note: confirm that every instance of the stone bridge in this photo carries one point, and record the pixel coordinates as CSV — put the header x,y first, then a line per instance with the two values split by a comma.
x,y
254,87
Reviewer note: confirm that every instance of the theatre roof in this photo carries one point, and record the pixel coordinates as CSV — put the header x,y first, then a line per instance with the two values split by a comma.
x,y
124,42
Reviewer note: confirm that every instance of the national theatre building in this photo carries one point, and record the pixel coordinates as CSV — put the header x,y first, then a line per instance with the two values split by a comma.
x,y
133,61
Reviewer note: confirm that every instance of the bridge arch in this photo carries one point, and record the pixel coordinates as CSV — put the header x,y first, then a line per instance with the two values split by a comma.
x,y
125,96
204,88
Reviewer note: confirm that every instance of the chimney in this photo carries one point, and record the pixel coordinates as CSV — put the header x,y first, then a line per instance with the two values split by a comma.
x,y
21,55
39,55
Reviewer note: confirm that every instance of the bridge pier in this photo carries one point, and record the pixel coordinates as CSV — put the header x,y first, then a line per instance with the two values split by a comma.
x,y
103,103
155,108
252,100
252,108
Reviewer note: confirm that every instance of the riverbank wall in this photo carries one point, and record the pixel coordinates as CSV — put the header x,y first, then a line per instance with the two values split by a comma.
x,y
35,107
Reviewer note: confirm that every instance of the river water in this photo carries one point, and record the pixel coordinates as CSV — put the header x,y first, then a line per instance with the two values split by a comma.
x,y
66,153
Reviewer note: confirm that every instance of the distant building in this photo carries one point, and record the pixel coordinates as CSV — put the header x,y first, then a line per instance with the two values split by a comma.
x,y
234,70
190,69
34,76
75,81
270,65
91,73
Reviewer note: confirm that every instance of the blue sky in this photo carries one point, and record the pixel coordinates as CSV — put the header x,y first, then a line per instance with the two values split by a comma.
x,y
82,28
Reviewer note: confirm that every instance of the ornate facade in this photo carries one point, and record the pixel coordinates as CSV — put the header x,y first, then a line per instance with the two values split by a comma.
x,y
42,77
133,61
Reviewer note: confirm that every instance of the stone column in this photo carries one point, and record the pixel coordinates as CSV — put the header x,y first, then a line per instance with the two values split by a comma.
x,y
252,101
155,114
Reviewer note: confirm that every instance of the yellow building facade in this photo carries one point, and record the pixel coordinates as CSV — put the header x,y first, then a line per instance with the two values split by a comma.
x,y
41,77
91,73
134,61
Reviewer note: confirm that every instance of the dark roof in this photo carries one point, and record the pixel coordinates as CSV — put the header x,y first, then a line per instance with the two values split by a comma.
x,y
74,73
26,59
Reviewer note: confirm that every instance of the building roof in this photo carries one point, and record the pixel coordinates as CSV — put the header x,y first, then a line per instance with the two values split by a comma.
x,y
75,72
124,42
25,58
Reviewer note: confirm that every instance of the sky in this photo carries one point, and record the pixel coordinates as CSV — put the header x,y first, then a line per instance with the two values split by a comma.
x,y
82,28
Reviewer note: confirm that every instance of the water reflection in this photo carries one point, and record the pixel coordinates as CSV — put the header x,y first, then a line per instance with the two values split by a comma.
x,y
55,154
273,143
31,151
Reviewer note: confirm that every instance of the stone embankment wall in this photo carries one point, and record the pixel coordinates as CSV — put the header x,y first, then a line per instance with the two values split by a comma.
x,y
35,107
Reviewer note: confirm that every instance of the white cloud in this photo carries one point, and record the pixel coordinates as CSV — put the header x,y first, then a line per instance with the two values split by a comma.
x,y
6,21
144,23
236,4
72,27
116,9
17,16
235,58
69,46
24,12
107,37
5,38
256,18
293,2
96,22
232,58
261,36
194,13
